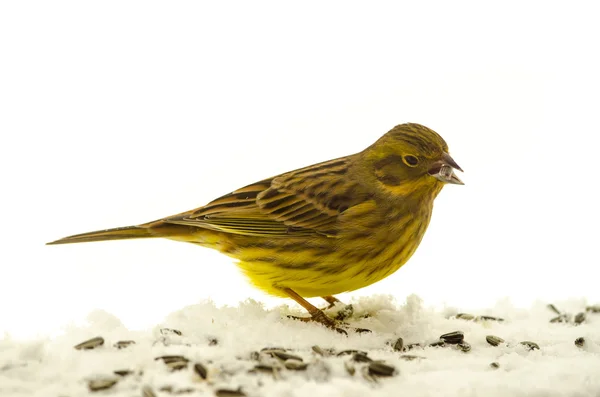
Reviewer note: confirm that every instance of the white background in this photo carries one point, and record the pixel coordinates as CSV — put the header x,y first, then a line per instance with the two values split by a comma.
x,y
114,113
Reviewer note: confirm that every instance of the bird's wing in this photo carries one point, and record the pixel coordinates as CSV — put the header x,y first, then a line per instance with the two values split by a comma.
x,y
304,202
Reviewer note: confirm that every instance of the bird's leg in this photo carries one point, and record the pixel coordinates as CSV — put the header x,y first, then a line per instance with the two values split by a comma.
x,y
344,313
315,313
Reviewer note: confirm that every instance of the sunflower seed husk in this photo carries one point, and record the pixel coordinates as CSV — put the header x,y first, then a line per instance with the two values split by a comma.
x,y
264,367
439,343
101,384
579,342
123,344
296,365
453,337
321,352
350,368
350,352
398,345
90,344
366,374
378,368
177,365
212,341
494,340
554,309
230,393
579,318
463,346
593,309
490,318
123,372
563,318
171,359
200,370
284,356
171,390
412,346
148,392
272,349
531,345
361,357
495,365
465,316
170,331
410,357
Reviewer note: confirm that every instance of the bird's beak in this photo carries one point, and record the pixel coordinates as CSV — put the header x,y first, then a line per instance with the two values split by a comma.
x,y
443,170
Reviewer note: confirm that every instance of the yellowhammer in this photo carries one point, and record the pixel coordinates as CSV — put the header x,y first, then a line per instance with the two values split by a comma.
x,y
328,228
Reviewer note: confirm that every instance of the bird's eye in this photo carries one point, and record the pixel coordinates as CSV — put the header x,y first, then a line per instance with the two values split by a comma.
x,y
410,160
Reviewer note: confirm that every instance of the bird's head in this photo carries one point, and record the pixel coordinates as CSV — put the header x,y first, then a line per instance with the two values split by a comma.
x,y
410,159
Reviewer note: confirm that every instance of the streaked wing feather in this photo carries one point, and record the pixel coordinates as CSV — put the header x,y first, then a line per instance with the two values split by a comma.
x,y
298,203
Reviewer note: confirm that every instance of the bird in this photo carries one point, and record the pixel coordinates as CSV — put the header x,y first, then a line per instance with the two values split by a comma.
x,y
321,230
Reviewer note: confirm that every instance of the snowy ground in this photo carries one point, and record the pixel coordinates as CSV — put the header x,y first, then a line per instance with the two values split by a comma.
x,y
225,342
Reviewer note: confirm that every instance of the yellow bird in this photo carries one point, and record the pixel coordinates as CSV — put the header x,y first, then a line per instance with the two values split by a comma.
x,y
324,229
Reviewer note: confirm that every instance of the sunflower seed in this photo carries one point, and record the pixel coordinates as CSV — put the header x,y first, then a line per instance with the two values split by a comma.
x,y
170,331
579,318
90,344
398,345
380,369
361,357
465,316
230,393
177,365
531,345
284,356
264,367
101,384
554,309
272,349
296,365
453,337
123,344
200,370
593,309
123,372
350,368
410,357
495,365
490,318
579,342
171,359
148,392
349,352
494,340
563,318
463,346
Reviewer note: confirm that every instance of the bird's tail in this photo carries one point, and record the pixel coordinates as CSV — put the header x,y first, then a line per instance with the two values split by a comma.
x,y
119,233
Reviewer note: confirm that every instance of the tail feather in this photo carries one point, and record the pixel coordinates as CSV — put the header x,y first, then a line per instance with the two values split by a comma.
x,y
119,233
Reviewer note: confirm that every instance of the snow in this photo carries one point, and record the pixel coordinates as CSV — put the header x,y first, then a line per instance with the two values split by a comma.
x,y
225,340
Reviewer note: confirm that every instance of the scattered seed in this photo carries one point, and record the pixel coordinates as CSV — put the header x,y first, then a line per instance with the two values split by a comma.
x,y
123,372
378,368
90,344
361,357
148,392
170,331
490,318
464,346
554,309
465,316
350,368
453,337
323,352
579,318
171,359
272,349
593,309
530,345
177,365
579,342
200,370
439,343
123,344
350,352
230,393
284,356
495,365
101,384
410,357
494,340
412,346
171,390
264,367
296,365
398,345
563,318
